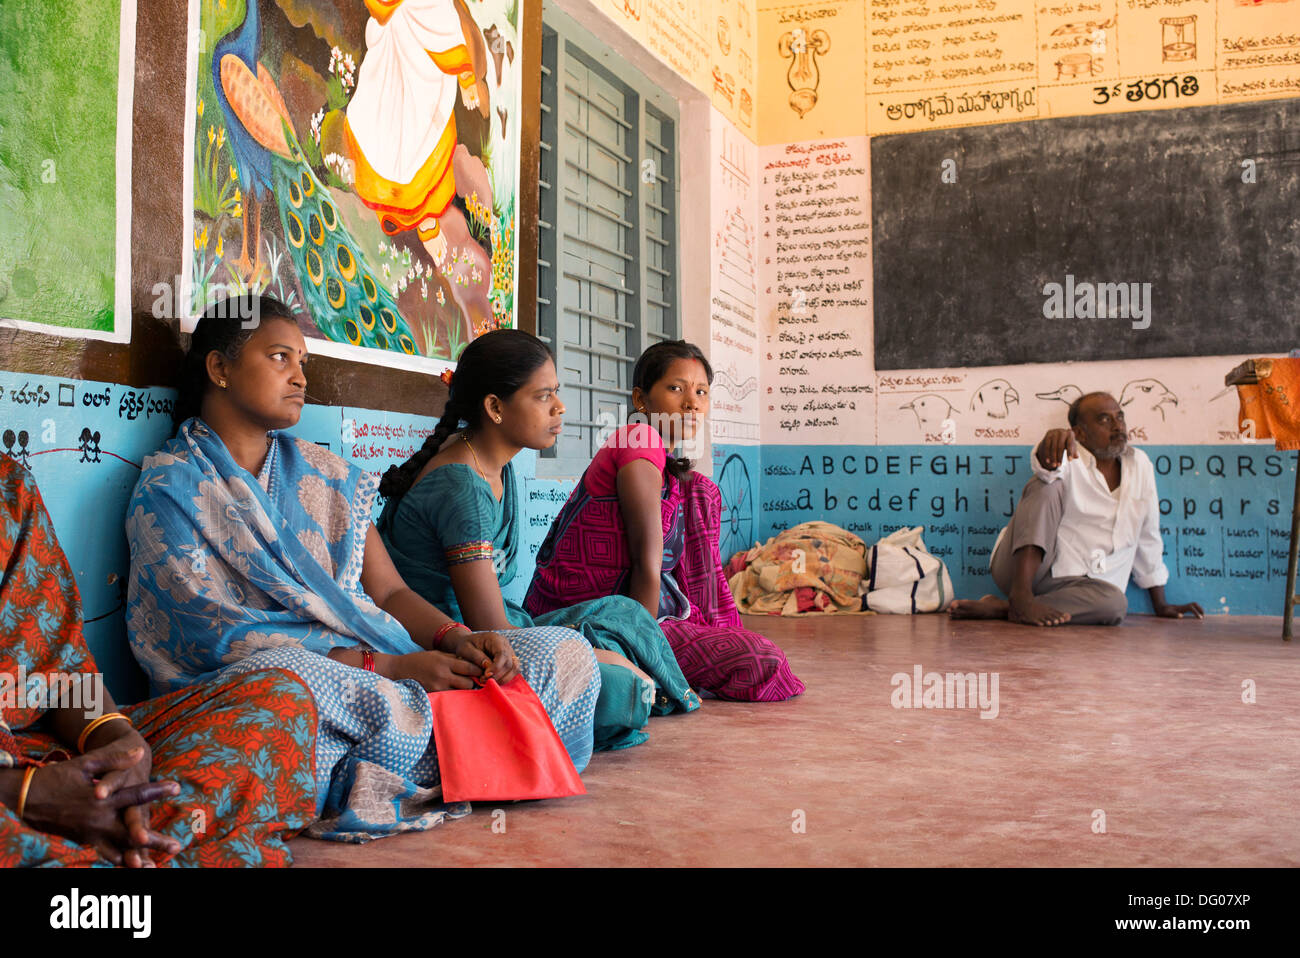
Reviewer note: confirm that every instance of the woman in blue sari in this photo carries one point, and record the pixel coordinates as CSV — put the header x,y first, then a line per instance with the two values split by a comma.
x,y
251,549
452,527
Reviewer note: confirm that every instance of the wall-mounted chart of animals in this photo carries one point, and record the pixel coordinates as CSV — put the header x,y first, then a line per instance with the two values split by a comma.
x,y
359,160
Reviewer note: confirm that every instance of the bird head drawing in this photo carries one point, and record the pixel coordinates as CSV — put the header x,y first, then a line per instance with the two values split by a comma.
x,y
1066,394
994,399
1146,395
931,411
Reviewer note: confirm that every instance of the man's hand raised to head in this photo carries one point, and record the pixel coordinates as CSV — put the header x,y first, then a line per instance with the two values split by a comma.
x,y
1056,445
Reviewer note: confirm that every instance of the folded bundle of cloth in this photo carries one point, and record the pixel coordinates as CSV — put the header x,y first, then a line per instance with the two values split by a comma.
x,y
814,567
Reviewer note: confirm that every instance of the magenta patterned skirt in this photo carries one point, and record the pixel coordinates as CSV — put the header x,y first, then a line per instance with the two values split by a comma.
x,y
585,556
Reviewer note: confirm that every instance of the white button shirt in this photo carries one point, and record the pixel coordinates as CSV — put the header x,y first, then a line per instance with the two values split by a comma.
x,y
1104,535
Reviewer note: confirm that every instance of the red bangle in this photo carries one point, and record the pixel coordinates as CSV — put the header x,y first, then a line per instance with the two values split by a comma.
x,y
368,660
438,636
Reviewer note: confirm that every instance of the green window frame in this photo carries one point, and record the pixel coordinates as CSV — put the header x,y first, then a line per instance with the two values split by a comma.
x,y
607,261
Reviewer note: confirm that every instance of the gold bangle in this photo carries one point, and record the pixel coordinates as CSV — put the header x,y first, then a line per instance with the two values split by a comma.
x,y
22,792
103,719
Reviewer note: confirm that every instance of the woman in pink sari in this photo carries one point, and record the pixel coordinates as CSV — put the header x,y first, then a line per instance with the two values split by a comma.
x,y
641,523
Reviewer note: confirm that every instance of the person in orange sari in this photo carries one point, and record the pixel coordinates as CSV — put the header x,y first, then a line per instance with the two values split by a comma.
x,y
221,773
400,128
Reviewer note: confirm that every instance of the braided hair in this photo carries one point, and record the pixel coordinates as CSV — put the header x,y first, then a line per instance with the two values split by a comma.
x,y
225,327
652,366
497,363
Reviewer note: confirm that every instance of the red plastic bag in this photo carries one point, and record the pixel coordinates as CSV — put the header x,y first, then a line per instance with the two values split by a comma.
x,y
497,743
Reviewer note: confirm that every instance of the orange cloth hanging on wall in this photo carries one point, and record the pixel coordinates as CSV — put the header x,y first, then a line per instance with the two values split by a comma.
x,y
1271,410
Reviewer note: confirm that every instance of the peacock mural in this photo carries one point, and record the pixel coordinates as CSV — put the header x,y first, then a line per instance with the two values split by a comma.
x,y
390,225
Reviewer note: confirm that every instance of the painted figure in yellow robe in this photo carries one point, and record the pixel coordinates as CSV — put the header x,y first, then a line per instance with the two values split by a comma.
x,y
401,124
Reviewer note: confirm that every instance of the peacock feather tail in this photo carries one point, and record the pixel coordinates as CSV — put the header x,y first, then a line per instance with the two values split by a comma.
x,y
346,301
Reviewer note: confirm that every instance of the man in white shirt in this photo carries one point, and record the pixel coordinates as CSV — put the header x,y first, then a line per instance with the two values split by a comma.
x,y
1088,520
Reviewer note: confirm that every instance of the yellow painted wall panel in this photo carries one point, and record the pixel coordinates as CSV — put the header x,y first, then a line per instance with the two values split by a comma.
x,y
677,32
1257,54
628,14
810,56
785,71
950,64
733,39
962,62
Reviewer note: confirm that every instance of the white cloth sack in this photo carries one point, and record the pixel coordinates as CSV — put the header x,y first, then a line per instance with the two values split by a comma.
x,y
903,578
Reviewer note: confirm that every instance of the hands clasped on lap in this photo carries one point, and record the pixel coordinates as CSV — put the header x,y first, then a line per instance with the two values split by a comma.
x,y
101,799
467,660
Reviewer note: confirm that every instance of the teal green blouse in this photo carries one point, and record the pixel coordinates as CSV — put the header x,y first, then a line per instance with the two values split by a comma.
x,y
449,517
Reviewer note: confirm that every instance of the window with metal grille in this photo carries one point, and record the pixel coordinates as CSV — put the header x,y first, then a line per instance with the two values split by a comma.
x,y
607,232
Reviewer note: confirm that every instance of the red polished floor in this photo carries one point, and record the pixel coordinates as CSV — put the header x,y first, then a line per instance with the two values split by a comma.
x,y
1140,728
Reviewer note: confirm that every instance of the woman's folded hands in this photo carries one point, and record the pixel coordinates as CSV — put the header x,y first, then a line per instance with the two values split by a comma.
x,y
101,799
467,660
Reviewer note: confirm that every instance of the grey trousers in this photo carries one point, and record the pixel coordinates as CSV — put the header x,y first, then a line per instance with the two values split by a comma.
x,y
1034,523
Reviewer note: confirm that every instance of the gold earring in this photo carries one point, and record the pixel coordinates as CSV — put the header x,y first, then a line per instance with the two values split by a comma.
x,y
222,384
498,420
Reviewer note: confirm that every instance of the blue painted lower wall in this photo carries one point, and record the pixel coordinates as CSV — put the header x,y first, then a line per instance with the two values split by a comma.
x,y
84,442
1226,509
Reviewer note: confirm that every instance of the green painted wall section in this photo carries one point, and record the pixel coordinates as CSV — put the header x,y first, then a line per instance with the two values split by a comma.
x,y
58,123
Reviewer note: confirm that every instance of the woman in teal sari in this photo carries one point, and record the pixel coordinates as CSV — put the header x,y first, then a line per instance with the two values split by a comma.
x,y
452,520
253,549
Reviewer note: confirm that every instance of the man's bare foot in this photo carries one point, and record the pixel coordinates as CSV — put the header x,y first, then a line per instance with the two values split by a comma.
x,y
1027,610
985,607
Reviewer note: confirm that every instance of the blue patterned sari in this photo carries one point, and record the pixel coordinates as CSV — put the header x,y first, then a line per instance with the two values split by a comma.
x,y
232,572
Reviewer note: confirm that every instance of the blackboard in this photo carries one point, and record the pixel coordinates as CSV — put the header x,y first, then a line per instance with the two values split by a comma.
x,y
1155,197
